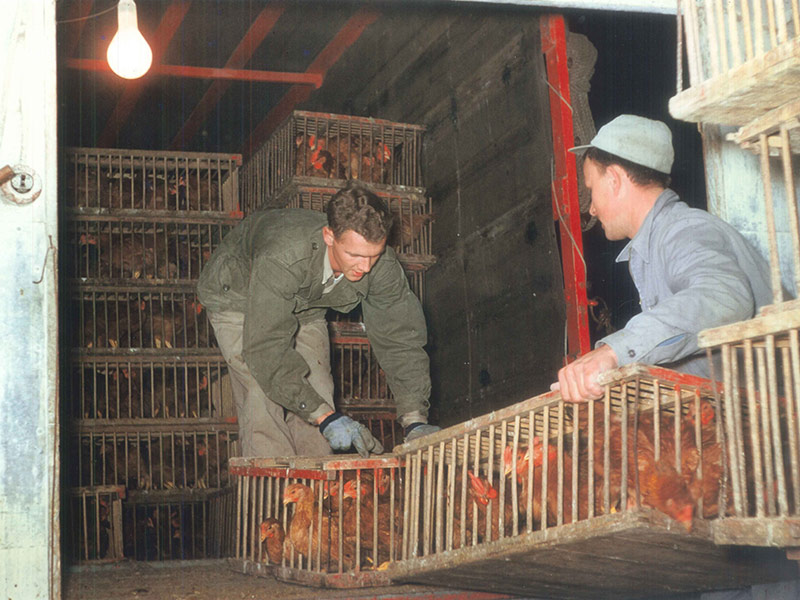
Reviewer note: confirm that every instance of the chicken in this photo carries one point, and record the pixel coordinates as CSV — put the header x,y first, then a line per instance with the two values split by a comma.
x,y
163,325
487,505
407,230
305,535
535,454
388,517
272,537
705,485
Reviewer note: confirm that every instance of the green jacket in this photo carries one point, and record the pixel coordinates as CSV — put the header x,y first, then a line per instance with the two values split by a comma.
x,y
270,268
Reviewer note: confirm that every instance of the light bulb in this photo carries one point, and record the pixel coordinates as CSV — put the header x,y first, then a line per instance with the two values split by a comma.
x,y
129,55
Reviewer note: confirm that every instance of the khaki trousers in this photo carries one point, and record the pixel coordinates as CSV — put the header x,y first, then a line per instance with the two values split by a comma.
x,y
265,428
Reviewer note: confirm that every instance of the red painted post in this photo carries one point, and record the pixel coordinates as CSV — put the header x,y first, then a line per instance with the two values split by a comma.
x,y
566,207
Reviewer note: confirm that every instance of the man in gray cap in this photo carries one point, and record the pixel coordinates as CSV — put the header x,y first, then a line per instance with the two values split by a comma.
x,y
693,271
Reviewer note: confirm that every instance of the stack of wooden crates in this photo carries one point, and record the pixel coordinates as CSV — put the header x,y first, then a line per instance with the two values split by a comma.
x,y
149,425
305,162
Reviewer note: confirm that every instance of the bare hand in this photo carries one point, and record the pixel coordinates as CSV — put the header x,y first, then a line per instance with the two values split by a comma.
x,y
578,380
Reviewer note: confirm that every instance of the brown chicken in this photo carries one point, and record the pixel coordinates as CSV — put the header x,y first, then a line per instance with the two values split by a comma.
x,y
305,533
487,505
524,456
706,485
407,230
272,537
387,518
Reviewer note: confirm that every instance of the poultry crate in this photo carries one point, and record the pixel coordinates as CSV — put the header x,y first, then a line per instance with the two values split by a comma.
x,y
760,361
148,384
103,178
358,379
145,387
579,500
140,246
179,525
93,518
298,518
333,148
743,59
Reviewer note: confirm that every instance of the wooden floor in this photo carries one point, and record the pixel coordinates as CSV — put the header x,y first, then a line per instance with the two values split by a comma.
x,y
635,554
215,580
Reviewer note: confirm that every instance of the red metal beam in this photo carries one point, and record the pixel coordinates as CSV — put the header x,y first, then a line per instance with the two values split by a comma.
x,y
566,207
159,42
72,34
262,25
314,79
345,38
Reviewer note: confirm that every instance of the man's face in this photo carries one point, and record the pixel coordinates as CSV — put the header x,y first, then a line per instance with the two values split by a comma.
x,y
351,254
604,204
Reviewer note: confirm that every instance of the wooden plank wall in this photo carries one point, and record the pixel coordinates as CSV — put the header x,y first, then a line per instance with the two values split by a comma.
x,y
475,77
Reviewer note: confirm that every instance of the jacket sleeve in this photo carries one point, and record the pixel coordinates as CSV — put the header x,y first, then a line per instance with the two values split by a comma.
x,y
712,290
268,345
396,330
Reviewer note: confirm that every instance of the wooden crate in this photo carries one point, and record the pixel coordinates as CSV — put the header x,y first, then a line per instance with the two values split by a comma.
x,y
104,178
743,58
179,524
761,374
105,385
335,556
167,456
140,247
575,481
93,522
331,149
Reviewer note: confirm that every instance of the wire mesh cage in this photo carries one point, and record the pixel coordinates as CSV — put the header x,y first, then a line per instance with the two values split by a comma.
x,y
185,526
299,518
761,375
743,59
333,147
545,464
144,179
94,523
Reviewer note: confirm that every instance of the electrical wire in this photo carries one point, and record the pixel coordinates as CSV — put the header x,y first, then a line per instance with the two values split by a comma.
x,y
87,17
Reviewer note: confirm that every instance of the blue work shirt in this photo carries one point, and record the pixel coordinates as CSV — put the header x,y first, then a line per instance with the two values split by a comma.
x,y
693,271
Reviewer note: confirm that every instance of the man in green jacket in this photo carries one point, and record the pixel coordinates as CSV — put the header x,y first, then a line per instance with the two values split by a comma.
x,y
266,289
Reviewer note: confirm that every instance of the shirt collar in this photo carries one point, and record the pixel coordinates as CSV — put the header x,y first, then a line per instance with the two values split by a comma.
x,y
327,269
641,241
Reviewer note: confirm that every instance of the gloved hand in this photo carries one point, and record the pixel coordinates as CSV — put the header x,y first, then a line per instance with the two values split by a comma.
x,y
342,432
417,430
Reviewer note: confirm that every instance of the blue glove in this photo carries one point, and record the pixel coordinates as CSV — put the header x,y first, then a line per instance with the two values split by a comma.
x,y
342,432
417,430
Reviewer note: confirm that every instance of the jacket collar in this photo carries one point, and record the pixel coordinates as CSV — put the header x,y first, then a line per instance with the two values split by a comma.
x,y
641,241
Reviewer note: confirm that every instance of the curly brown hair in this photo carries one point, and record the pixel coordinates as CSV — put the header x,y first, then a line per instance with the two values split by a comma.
x,y
359,209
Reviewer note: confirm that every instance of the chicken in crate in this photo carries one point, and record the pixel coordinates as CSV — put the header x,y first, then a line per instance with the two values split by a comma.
x,y
93,518
333,148
759,362
331,521
104,178
531,498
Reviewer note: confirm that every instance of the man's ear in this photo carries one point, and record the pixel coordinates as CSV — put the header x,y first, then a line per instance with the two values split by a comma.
x,y
327,235
617,178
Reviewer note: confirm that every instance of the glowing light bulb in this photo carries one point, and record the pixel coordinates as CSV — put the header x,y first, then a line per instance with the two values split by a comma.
x,y
129,55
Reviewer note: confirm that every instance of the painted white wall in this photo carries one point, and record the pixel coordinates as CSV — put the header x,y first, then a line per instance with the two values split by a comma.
x,y
29,532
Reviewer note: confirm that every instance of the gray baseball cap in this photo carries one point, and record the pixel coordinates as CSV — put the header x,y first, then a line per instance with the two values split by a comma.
x,y
642,141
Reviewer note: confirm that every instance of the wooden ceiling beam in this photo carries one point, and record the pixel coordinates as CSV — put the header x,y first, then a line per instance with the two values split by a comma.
x,y
167,28
260,28
345,38
225,75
